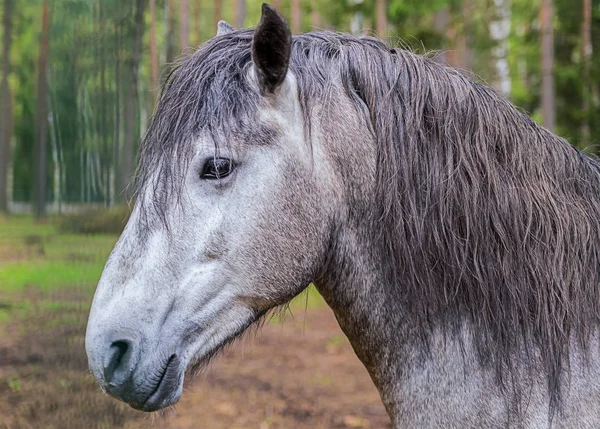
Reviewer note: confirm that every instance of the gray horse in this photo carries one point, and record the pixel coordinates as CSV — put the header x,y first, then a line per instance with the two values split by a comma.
x,y
456,241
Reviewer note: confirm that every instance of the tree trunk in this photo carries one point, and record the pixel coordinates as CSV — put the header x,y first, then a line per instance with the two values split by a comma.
x,y
381,18
170,36
548,103
315,18
277,5
586,59
154,84
440,25
452,43
103,118
131,105
499,32
466,41
296,15
240,14
118,184
41,119
54,133
197,22
184,24
218,4
5,106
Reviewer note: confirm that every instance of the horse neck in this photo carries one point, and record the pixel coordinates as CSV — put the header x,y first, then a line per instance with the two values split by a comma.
x,y
354,281
367,310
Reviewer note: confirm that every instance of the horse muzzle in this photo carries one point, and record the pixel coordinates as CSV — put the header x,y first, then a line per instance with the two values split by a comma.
x,y
125,371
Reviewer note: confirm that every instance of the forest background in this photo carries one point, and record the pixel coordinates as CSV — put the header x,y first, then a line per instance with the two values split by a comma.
x,y
80,78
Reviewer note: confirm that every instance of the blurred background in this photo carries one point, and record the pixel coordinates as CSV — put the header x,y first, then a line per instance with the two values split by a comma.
x,y
78,83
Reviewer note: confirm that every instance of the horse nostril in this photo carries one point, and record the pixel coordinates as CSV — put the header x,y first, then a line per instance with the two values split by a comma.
x,y
118,363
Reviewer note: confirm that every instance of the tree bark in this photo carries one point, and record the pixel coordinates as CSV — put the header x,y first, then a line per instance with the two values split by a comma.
x,y
548,98
499,32
184,24
41,119
315,18
296,21
103,108
440,24
218,4
452,43
5,106
586,59
118,185
154,84
131,104
170,36
197,22
240,14
381,18
466,41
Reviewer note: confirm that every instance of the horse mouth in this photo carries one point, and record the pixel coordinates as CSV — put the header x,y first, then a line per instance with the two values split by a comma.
x,y
167,383
166,391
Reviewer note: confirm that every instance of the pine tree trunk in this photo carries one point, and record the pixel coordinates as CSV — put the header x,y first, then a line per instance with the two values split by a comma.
x,y
103,115
218,4
170,36
197,22
381,18
184,24
154,84
296,21
452,41
41,120
240,14
118,185
440,25
586,59
5,106
466,41
315,19
499,32
130,92
548,102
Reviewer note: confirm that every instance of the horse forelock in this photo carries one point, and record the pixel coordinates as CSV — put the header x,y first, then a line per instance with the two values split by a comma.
x,y
485,217
206,92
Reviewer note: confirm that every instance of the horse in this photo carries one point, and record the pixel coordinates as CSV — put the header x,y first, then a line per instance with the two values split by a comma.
x,y
455,240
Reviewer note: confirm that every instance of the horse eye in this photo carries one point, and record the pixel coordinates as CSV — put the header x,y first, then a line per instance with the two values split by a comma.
x,y
217,168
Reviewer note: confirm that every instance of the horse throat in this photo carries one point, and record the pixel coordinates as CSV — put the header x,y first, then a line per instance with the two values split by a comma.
x,y
368,312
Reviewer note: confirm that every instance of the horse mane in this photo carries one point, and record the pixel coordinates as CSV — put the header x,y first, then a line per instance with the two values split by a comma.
x,y
485,217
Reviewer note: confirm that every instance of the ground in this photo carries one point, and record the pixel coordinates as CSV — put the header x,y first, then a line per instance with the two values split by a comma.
x,y
296,372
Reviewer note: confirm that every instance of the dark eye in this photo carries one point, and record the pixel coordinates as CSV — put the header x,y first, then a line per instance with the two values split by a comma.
x,y
217,168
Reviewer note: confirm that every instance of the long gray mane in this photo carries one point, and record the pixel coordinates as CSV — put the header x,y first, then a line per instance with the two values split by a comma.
x,y
485,217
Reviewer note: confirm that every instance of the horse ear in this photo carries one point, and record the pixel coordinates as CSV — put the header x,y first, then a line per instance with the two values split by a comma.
x,y
271,49
224,28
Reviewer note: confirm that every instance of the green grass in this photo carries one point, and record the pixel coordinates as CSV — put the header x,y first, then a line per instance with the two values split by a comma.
x,y
48,275
36,259
36,255
310,298
17,227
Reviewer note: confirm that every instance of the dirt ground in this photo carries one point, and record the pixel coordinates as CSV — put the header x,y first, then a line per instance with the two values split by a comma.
x,y
299,373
